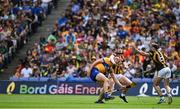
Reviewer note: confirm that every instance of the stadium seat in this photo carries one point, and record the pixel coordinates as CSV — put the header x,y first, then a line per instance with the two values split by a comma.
x,y
14,78
137,80
33,79
23,79
43,79
61,79
147,80
175,81
70,78
86,79
140,80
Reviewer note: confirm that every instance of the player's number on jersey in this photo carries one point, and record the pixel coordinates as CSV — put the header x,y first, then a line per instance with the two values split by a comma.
x,y
161,58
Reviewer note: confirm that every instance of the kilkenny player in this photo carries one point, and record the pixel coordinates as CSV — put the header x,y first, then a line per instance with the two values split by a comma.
x,y
163,71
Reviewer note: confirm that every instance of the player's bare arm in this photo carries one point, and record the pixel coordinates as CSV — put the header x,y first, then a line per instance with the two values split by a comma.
x,y
141,52
95,63
115,79
167,58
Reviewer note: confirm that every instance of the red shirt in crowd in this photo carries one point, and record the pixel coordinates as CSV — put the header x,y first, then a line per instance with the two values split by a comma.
x,y
49,48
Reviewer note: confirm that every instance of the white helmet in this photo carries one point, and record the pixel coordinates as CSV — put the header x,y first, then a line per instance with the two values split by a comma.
x,y
112,59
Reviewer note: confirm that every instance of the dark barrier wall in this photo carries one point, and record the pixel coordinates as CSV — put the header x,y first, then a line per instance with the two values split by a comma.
x,y
10,87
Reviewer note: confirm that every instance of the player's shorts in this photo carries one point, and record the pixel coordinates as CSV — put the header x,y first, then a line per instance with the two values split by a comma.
x,y
163,73
94,73
118,76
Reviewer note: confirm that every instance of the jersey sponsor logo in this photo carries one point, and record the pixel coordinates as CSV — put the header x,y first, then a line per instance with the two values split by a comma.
x,y
11,88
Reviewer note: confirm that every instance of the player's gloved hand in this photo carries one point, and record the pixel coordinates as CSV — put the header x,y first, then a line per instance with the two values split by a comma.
x,y
133,84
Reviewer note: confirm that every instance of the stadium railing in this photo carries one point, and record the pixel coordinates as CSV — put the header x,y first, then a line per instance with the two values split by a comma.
x,y
85,79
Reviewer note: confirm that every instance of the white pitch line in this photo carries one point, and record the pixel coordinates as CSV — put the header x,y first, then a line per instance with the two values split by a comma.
x,y
90,108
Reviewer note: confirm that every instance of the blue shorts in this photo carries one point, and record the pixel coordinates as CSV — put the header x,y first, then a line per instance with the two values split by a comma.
x,y
94,73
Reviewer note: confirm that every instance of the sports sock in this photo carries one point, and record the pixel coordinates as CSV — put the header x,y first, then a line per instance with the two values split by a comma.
x,y
122,94
101,96
169,94
162,97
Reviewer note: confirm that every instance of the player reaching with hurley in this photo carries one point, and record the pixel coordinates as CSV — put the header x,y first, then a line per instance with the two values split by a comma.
x,y
121,78
163,71
99,71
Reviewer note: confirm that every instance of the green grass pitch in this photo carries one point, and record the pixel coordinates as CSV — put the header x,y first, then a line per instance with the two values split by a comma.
x,y
80,102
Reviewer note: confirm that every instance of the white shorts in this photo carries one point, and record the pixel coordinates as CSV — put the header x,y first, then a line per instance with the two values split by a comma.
x,y
118,76
163,73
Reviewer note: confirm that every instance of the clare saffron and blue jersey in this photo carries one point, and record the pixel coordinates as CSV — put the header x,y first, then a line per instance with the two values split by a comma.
x,y
104,66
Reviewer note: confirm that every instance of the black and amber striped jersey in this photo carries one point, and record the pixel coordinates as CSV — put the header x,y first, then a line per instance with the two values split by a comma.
x,y
118,69
159,59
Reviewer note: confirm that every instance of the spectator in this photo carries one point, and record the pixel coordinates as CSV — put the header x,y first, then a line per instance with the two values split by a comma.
x,y
36,70
18,20
71,69
102,27
52,38
71,37
1,63
62,21
121,33
26,72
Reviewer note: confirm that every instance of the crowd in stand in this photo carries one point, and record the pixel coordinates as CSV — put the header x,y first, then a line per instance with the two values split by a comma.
x,y
91,29
19,20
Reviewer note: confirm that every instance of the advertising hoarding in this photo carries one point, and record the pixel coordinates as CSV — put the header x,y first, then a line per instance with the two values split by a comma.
x,y
76,88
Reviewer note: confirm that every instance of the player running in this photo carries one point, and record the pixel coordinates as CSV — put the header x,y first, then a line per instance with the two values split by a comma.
x,y
99,71
163,71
